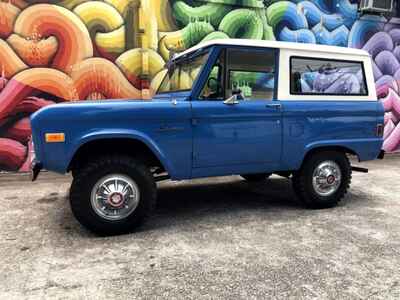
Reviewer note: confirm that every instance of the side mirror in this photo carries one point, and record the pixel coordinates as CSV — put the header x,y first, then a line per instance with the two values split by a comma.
x,y
232,100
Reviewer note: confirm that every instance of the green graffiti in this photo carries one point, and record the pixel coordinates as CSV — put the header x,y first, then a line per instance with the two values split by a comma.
x,y
215,35
185,38
211,12
194,32
242,23
276,11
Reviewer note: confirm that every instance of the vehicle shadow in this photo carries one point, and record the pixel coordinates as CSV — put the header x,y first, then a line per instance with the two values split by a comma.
x,y
225,201
216,200
230,192
212,198
189,202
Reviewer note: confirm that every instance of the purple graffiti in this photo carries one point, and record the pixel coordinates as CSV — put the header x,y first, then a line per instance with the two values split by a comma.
x,y
392,125
384,48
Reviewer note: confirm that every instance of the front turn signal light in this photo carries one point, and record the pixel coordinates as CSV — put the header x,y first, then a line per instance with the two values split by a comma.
x,y
58,137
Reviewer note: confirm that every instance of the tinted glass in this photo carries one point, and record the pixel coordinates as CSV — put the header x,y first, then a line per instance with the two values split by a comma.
x,y
310,76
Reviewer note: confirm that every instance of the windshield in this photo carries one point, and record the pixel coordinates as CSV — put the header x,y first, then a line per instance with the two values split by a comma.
x,y
183,72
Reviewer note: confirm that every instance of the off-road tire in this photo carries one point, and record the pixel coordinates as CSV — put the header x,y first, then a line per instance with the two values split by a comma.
x,y
86,177
302,180
256,177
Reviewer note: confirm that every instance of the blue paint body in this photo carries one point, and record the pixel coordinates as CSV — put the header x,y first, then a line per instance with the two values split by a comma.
x,y
195,138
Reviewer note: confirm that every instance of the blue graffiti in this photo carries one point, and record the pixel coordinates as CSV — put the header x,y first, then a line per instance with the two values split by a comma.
x,y
337,37
317,21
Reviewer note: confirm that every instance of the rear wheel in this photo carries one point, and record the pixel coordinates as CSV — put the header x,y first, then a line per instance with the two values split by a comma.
x,y
112,194
323,179
256,177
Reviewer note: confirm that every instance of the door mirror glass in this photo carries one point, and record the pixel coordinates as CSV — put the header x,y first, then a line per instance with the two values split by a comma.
x,y
212,83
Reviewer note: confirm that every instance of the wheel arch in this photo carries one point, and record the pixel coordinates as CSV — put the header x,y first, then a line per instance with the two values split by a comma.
x,y
133,145
323,148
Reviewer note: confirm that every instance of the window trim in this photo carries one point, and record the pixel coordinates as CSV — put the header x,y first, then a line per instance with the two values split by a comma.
x,y
291,87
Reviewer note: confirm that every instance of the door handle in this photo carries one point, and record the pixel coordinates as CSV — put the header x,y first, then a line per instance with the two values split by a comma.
x,y
274,105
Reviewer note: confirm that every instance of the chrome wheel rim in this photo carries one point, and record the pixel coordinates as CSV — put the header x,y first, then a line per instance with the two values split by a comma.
x,y
114,197
327,178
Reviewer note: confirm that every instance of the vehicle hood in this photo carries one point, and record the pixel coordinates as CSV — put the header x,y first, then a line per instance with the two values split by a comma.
x,y
120,108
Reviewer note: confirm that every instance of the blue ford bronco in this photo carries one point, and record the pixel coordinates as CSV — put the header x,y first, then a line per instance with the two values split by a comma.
x,y
245,107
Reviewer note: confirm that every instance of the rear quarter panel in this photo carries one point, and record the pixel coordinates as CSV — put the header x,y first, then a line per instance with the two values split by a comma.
x,y
311,121
312,124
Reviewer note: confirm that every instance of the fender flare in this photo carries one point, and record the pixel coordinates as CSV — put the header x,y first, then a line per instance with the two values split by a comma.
x,y
316,146
111,134
350,146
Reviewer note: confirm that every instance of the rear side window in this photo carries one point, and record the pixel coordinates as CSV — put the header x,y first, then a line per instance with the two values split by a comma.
x,y
315,76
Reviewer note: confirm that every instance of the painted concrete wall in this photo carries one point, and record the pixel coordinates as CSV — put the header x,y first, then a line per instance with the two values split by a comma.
x,y
55,51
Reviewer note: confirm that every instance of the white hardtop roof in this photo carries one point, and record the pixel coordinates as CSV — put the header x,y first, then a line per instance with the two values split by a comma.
x,y
276,44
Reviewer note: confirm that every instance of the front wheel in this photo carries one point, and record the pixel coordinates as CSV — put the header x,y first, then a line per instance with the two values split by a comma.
x,y
323,180
112,194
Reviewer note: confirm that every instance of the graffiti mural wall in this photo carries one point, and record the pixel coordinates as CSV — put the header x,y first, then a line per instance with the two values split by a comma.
x,y
66,50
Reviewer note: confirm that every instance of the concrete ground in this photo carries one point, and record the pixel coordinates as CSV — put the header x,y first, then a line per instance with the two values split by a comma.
x,y
217,238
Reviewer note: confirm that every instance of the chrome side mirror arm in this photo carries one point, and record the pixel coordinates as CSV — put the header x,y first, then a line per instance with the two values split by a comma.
x,y
231,100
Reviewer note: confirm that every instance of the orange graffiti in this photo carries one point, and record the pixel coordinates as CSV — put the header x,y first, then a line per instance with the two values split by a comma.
x,y
102,76
35,53
35,81
9,60
45,20
8,14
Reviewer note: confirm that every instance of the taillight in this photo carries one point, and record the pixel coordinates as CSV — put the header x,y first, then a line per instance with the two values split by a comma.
x,y
379,130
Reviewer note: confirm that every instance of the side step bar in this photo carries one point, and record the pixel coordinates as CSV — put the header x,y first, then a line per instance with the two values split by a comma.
x,y
359,169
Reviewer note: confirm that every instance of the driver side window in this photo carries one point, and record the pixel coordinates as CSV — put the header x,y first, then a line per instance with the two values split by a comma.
x,y
249,74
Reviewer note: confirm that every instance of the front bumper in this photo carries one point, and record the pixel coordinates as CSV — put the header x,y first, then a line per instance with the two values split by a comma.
x,y
36,167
